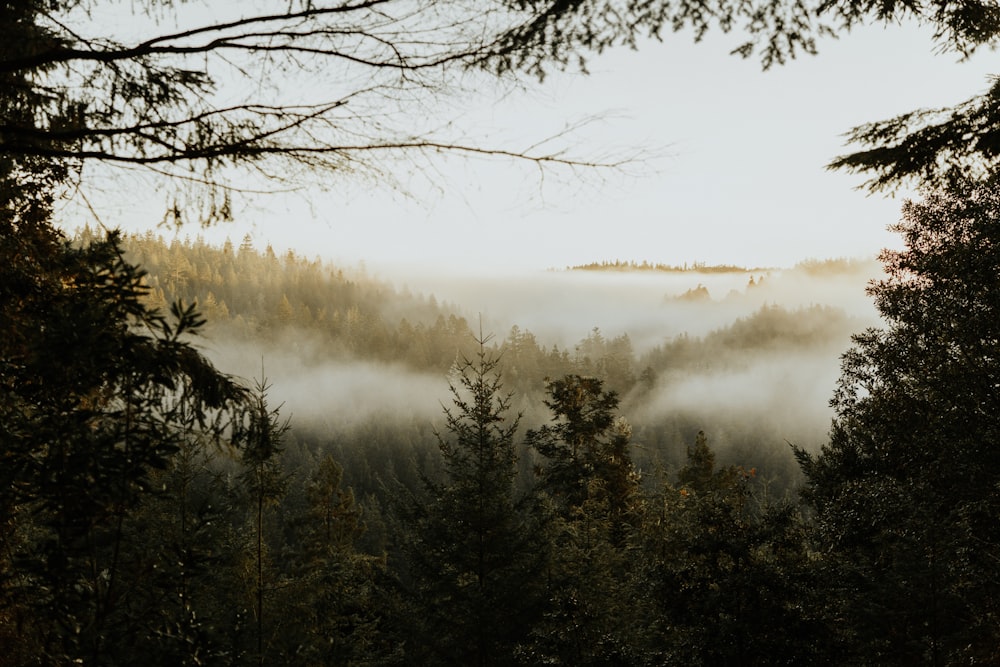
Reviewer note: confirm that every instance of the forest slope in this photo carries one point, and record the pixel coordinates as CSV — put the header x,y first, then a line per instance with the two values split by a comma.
x,y
751,358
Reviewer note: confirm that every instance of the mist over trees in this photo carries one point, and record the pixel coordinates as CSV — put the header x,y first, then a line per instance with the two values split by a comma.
x,y
629,535
156,511
317,325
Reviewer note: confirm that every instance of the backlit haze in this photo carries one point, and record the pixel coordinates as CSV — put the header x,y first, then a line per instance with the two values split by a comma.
x,y
736,174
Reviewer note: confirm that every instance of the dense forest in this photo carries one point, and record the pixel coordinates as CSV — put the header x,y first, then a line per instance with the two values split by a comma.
x,y
484,535
218,456
563,506
311,325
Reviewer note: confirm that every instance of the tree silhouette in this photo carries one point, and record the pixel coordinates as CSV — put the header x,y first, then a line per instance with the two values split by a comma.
x,y
906,487
476,549
98,392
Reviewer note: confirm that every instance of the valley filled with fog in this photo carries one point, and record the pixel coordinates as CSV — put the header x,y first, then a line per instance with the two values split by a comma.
x,y
362,362
561,305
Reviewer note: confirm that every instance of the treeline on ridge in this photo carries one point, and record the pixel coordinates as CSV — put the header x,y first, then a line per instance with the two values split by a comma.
x,y
646,265
247,293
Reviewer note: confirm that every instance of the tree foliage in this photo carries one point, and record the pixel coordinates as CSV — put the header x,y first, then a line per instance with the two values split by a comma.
x,y
98,392
475,548
586,447
586,470
727,570
906,489
934,147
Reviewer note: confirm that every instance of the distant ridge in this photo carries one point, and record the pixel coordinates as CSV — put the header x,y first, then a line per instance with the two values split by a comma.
x,y
694,267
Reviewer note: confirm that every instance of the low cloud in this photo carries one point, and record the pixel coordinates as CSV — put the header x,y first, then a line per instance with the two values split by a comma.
x,y
333,394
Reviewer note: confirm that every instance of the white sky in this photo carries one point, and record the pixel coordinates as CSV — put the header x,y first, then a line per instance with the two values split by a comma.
x,y
740,178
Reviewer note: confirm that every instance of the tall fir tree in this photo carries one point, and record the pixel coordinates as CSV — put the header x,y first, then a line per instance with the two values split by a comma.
x,y
476,548
264,482
587,474
586,450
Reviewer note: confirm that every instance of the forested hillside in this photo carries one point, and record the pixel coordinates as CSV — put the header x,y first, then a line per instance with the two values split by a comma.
x,y
451,497
312,325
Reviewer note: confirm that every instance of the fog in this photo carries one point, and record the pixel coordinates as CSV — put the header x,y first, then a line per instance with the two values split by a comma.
x,y
560,306
751,379
331,394
787,394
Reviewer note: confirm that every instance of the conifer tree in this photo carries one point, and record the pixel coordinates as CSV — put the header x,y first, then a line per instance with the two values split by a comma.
x,y
906,490
476,550
724,577
586,448
98,393
587,474
260,441
331,595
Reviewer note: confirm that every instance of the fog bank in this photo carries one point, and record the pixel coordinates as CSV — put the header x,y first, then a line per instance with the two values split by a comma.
x,y
560,307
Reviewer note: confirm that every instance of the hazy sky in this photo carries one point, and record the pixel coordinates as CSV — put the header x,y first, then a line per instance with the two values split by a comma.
x,y
739,179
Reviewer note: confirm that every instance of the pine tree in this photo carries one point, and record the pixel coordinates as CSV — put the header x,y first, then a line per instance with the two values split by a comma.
x,y
586,449
587,474
98,393
260,442
476,550
723,577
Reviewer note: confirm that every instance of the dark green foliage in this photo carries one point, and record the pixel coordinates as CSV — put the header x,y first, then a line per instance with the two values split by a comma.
x,y
178,556
590,612
327,604
99,392
586,444
587,471
726,574
906,491
259,436
474,548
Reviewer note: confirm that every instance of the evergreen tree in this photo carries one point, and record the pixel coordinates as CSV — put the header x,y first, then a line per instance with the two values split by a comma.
x,y
264,482
906,490
586,449
587,472
332,598
98,393
476,550
724,577
180,570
